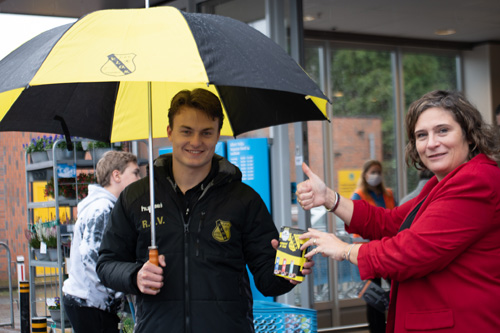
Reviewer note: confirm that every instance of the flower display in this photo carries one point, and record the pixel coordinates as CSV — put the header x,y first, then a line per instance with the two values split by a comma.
x,y
37,145
62,144
49,236
100,144
54,303
32,238
67,186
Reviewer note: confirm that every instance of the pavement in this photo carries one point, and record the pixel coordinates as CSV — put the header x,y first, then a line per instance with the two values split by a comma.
x,y
5,306
5,317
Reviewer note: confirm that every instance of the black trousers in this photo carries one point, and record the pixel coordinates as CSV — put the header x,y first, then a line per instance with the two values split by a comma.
x,y
86,319
376,319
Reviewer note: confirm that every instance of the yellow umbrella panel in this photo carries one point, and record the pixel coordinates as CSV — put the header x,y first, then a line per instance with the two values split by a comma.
x,y
130,117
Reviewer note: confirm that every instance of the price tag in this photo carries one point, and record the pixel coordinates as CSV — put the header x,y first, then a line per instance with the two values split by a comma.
x,y
43,247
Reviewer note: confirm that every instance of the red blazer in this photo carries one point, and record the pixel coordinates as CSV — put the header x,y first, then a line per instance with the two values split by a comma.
x,y
445,268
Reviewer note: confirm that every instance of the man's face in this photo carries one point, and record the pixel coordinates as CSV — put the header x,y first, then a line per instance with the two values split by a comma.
x,y
193,137
130,175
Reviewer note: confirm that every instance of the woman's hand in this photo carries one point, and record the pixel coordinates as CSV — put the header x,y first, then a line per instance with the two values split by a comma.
x,y
325,243
312,192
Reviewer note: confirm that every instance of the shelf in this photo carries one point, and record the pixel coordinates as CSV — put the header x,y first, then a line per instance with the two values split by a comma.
x,y
52,203
45,263
50,164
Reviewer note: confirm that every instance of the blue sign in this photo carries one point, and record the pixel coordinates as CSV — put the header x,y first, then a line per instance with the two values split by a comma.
x,y
252,157
65,170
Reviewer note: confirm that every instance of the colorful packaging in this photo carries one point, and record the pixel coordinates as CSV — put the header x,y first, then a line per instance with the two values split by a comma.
x,y
289,258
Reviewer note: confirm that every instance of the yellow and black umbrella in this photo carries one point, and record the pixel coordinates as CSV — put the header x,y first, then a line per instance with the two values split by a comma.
x,y
110,76
93,74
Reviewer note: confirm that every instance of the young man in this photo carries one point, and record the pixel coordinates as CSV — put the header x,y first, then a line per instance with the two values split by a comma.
x,y
209,226
90,306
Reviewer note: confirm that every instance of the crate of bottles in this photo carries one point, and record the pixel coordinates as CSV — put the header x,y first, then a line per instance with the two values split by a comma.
x,y
271,317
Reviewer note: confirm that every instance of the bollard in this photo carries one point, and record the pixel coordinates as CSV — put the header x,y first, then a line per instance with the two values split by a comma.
x,y
24,298
39,324
20,268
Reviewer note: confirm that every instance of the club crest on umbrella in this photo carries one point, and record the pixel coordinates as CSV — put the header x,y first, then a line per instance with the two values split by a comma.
x,y
119,64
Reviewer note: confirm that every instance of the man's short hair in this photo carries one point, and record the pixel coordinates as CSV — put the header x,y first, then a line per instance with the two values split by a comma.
x,y
200,99
111,161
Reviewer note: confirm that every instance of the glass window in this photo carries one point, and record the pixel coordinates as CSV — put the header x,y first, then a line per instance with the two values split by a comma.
x,y
424,72
361,88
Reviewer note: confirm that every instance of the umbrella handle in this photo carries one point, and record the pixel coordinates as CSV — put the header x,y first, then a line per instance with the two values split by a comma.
x,y
153,255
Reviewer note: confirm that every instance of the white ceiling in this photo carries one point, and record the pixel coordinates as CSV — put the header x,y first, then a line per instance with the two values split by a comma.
x,y
475,21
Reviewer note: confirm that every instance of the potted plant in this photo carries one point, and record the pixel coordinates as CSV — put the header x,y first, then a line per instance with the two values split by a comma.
x,y
33,240
99,148
49,237
34,237
84,180
54,306
61,150
36,149
67,186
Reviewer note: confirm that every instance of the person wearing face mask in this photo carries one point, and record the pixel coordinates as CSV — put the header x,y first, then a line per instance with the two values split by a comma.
x,y
371,189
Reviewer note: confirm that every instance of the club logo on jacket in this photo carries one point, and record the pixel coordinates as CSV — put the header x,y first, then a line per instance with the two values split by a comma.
x,y
222,231
119,64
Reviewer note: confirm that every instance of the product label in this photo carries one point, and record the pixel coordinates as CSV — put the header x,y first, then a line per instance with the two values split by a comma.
x,y
289,258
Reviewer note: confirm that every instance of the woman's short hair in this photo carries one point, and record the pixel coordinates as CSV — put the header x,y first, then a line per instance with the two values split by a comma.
x,y
111,161
482,137
200,99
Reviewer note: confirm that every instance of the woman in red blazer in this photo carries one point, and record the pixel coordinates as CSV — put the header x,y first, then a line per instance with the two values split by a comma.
x,y
441,249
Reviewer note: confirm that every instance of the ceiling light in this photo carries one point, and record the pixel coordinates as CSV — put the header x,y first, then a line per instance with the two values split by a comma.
x,y
309,18
445,32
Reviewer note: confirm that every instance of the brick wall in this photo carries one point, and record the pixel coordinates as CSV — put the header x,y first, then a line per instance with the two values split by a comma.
x,y
12,200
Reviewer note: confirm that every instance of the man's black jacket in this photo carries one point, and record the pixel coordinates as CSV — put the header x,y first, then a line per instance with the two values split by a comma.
x,y
206,285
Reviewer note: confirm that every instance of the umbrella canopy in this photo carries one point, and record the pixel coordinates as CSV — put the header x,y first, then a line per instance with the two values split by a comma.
x,y
94,74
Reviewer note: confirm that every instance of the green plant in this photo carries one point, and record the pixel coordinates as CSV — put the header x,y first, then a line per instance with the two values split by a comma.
x,y
37,145
32,238
49,236
62,144
100,144
54,303
67,186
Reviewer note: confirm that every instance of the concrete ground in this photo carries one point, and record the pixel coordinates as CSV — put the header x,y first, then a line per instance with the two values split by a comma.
x,y
5,314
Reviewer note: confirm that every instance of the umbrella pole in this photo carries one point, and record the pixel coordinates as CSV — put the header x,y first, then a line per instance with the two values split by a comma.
x,y
153,249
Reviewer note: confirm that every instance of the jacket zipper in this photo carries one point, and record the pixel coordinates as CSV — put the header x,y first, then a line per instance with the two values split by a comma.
x,y
202,218
186,272
186,258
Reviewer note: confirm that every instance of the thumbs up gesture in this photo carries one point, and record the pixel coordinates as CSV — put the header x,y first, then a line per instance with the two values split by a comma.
x,y
311,192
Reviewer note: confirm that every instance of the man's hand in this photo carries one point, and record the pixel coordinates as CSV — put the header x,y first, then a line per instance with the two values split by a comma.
x,y
150,277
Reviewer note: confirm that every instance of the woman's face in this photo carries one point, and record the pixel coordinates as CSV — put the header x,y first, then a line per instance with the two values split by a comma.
x,y
373,175
440,141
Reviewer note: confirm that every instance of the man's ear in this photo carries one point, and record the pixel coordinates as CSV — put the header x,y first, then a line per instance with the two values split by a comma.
x,y
169,131
116,176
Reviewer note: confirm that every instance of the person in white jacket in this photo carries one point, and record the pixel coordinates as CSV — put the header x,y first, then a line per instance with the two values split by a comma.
x,y
89,305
